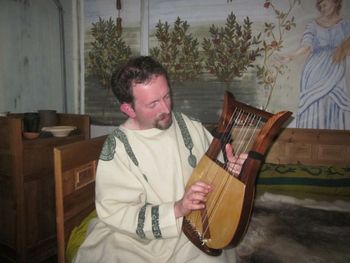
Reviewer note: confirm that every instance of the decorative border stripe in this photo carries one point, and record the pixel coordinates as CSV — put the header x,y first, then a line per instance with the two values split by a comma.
x,y
155,222
108,149
141,222
304,181
192,160
184,131
122,137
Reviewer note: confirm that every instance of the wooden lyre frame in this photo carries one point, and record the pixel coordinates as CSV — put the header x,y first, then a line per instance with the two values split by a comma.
x,y
223,222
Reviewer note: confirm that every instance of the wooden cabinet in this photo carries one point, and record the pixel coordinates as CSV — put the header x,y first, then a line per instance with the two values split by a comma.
x,y
27,203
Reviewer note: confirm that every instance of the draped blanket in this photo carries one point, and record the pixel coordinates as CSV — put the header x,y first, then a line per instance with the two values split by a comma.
x,y
285,229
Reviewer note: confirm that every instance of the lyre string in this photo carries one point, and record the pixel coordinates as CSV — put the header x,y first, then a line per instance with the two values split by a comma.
x,y
243,136
224,137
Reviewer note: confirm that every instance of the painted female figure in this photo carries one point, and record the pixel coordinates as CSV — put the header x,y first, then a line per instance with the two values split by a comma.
x,y
324,100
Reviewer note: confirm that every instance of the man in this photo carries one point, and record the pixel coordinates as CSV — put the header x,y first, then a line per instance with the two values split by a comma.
x,y
142,172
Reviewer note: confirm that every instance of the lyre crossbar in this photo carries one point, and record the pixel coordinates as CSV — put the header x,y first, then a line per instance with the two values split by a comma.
x,y
223,222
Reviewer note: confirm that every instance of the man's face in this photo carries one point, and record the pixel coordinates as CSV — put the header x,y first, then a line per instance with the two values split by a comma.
x,y
152,104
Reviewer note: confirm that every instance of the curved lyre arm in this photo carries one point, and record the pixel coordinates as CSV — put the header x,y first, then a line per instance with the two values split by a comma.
x,y
226,216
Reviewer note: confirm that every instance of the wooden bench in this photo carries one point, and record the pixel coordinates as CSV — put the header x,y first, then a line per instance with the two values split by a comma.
x,y
75,168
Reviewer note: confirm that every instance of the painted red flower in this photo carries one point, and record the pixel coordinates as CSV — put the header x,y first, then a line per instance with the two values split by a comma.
x,y
267,4
274,44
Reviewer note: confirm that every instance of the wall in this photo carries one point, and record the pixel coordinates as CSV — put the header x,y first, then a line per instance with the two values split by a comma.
x,y
37,69
33,77
285,88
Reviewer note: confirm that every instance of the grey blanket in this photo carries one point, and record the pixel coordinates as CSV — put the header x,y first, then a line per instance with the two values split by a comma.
x,y
287,230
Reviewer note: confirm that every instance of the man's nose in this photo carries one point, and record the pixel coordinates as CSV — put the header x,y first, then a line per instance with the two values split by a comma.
x,y
165,106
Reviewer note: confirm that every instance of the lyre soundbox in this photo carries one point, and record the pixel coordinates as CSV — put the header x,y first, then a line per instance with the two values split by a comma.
x,y
225,218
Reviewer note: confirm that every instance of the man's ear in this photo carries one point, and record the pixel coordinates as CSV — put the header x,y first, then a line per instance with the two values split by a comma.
x,y
128,110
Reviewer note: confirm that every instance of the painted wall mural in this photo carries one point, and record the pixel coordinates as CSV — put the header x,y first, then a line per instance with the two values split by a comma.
x,y
275,55
324,99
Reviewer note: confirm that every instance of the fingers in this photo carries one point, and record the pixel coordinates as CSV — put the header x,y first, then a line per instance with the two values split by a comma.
x,y
241,158
231,156
235,163
234,168
229,152
193,199
196,195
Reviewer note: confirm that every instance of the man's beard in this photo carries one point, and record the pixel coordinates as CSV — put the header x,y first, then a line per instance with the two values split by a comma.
x,y
163,126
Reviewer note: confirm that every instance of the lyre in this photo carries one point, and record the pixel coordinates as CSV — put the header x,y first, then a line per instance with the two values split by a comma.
x,y
226,216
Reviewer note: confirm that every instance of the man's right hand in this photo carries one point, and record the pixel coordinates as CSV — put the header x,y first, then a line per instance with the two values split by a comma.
x,y
193,199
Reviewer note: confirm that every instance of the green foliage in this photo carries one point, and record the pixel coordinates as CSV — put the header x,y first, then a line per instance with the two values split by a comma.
x,y
177,50
108,51
231,49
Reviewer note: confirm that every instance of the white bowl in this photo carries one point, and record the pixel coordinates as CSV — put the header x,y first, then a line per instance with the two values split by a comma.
x,y
59,131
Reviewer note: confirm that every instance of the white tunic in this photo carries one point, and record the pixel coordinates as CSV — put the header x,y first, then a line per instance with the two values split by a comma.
x,y
138,181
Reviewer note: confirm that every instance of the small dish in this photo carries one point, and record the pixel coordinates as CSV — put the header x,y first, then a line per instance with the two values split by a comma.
x,y
31,135
59,131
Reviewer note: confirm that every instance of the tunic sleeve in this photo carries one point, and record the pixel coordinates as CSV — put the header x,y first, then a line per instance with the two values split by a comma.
x,y
308,36
121,198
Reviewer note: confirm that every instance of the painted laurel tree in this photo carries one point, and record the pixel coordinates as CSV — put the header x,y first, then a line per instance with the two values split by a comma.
x,y
177,50
108,51
231,49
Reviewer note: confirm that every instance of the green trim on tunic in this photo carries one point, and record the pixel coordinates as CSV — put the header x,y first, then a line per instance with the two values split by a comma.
x,y
192,160
141,222
124,139
108,149
155,222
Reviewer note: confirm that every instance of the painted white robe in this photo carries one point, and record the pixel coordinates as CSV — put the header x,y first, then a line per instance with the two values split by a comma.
x,y
324,96
136,188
